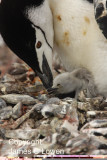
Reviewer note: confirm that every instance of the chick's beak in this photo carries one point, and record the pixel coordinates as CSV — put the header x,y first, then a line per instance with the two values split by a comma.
x,y
46,77
52,91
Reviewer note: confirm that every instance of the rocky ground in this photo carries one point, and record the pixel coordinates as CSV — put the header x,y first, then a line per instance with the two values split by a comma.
x,y
32,122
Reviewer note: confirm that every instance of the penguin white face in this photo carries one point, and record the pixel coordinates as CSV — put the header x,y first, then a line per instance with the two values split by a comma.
x,y
42,47
44,57
42,22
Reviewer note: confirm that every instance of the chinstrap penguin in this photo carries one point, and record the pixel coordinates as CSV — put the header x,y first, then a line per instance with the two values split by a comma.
x,y
27,28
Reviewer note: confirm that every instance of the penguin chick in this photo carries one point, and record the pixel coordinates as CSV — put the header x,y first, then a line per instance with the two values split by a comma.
x,y
79,79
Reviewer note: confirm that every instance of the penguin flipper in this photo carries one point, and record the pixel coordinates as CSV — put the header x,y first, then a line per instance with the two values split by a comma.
x,y
101,15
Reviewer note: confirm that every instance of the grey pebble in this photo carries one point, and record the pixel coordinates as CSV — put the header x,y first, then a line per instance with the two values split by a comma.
x,y
75,142
64,136
53,101
5,113
50,110
2,134
68,99
47,110
39,107
17,68
8,88
7,79
33,89
42,97
2,104
17,111
97,123
16,98
99,152
24,134
60,111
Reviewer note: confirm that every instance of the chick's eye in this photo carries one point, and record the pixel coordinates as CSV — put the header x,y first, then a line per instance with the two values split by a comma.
x,y
58,85
38,45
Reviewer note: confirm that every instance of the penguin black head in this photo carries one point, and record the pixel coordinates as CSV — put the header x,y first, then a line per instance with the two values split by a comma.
x,y
26,27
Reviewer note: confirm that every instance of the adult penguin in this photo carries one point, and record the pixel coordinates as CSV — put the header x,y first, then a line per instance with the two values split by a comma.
x,y
80,39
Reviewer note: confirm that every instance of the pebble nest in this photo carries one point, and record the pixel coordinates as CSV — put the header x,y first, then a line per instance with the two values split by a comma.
x,y
32,122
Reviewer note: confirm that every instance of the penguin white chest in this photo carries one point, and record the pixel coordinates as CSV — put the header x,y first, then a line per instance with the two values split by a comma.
x,y
76,30
78,40
74,26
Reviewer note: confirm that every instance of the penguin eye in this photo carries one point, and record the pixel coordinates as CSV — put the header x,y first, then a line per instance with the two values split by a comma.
x,y
58,85
38,45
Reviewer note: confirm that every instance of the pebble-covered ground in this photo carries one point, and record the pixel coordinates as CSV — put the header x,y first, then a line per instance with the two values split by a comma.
x,y
32,122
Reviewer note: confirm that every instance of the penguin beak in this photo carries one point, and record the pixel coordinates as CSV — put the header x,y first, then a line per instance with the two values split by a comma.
x,y
52,90
46,77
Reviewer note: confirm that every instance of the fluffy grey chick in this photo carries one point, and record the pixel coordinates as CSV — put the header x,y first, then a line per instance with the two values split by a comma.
x,y
79,79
